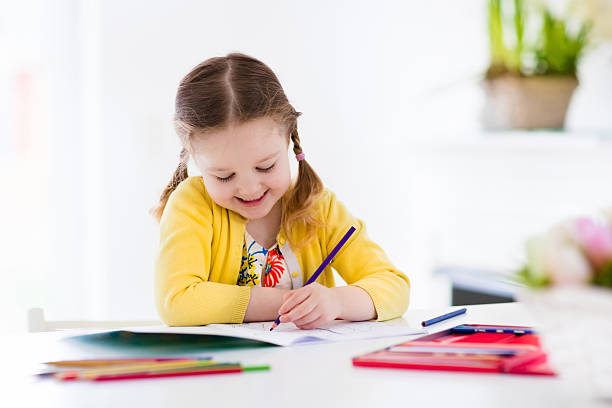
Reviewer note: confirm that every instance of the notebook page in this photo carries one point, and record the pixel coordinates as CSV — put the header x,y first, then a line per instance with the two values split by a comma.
x,y
287,333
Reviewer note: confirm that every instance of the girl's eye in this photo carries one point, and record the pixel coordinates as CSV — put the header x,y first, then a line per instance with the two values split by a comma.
x,y
267,169
224,179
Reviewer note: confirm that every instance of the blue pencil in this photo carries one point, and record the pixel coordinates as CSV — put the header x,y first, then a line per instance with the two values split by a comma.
x,y
323,265
443,317
467,329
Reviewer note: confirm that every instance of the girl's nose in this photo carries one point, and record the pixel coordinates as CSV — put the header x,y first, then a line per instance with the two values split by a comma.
x,y
249,187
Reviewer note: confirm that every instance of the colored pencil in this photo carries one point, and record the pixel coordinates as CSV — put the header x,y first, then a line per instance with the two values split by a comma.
x,y
256,368
468,344
443,317
452,350
131,368
323,265
115,361
467,329
220,369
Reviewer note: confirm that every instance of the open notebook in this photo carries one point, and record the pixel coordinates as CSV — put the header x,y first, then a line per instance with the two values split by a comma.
x,y
288,334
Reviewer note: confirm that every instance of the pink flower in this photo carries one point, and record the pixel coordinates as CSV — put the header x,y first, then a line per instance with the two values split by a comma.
x,y
567,266
558,259
595,240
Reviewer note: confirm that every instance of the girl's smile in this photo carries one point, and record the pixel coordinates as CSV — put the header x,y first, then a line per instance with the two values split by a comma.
x,y
253,203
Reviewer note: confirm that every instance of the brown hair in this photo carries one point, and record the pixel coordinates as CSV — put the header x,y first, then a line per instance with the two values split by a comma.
x,y
235,89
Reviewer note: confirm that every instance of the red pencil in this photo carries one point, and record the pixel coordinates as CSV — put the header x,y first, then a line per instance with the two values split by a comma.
x,y
134,376
221,369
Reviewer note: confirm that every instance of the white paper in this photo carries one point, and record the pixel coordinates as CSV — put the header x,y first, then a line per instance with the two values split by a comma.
x,y
288,334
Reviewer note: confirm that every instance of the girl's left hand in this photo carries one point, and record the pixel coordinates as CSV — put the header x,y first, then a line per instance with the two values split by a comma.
x,y
310,307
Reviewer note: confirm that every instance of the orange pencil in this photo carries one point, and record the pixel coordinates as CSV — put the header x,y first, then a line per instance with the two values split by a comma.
x,y
115,361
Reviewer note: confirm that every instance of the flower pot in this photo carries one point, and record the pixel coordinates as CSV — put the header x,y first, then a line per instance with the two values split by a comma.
x,y
575,326
515,102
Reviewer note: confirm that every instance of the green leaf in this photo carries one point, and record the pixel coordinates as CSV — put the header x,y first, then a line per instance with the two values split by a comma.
x,y
496,39
549,49
526,277
604,277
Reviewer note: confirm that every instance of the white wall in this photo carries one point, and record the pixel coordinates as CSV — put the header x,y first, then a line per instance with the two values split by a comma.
x,y
373,79
359,71
369,77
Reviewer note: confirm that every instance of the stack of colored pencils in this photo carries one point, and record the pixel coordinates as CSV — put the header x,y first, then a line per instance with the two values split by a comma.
x,y
127,369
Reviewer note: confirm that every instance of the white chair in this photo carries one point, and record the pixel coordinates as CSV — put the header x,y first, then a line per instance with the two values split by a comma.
x,y
37,323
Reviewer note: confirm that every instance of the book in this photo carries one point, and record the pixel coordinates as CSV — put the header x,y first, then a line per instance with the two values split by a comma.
x,y
450,350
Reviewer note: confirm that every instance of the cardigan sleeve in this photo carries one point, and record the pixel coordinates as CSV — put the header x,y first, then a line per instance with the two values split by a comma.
x,y
361,262
184,295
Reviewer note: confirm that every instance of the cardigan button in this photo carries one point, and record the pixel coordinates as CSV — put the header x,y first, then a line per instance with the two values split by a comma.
x,y
295,274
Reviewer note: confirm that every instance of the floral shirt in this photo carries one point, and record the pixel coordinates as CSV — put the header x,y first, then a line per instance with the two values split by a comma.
x,y
263,267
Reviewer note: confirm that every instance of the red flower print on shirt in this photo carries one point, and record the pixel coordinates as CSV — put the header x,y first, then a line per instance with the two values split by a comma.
x,y
274,268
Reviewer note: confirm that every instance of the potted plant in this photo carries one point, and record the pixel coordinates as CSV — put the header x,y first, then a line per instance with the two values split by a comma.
x,y
534,54
568,288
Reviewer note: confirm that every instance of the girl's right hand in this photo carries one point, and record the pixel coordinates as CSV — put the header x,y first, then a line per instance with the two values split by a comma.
x,y
310,307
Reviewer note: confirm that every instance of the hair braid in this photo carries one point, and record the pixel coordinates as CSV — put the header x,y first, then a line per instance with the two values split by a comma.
x,y
295,138
308,186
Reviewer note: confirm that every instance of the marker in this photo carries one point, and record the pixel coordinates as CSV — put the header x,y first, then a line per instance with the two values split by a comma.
x,y
323,265
443,317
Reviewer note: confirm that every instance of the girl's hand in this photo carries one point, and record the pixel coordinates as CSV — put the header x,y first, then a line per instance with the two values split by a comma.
x,y
310,307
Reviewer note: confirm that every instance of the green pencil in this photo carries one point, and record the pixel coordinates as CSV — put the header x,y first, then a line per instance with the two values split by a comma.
x,y
256,368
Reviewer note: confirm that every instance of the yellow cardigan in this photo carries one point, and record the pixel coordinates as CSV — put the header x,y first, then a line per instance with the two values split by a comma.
x,y
201,251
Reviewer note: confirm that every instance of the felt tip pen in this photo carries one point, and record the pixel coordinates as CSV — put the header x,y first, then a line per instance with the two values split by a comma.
x,y
443,317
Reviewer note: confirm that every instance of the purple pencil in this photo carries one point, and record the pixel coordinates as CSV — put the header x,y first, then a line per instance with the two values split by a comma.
x,y
323,265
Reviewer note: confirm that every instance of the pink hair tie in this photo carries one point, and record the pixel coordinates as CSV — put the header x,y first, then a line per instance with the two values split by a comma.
x,y
300,156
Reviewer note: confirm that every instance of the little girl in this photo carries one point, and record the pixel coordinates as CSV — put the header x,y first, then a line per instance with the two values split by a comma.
x,y
238,243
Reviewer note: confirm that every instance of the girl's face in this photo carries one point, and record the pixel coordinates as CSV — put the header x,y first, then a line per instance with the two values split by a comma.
x,y
245,167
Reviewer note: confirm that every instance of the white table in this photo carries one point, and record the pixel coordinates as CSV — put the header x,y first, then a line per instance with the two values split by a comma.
x,y
309,375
